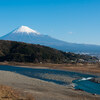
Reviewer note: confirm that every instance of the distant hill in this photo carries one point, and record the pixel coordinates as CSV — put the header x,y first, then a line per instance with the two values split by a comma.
x,y
27,35
23,52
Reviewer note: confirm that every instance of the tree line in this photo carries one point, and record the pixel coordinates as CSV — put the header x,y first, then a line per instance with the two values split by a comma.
x,y
23,52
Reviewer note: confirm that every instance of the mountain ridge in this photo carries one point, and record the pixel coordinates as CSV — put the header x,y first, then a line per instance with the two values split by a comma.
x,y
24,52
20,35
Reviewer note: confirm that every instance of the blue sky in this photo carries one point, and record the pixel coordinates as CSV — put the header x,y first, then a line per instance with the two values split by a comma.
x,y
76,21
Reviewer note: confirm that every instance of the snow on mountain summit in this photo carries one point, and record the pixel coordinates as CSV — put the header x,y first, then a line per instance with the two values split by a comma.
x,y
25,29
27,35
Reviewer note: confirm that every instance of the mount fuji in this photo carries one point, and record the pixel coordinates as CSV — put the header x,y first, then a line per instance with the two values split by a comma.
x,y
28,35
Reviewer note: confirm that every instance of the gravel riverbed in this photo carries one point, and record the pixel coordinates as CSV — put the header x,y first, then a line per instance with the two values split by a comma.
x,y
42,90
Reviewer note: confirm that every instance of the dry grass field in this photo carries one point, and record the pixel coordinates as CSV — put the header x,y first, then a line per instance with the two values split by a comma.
x,y
7,93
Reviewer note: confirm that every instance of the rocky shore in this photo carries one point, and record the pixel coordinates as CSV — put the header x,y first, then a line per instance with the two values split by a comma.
x,y
97,80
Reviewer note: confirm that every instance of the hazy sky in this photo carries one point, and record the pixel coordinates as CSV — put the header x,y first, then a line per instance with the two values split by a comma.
x,y
75,21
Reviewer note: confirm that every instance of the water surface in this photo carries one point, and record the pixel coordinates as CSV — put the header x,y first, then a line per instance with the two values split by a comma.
x,y
81,82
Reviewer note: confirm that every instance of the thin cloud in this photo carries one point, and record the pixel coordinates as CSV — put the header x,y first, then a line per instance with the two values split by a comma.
x,y
70,32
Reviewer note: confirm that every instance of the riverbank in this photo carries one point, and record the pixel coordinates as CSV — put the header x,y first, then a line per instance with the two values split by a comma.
x,y
42,90
8,93
84,68
97,80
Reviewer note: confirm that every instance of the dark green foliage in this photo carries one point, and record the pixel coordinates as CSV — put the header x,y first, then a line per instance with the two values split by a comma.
x,y
22,52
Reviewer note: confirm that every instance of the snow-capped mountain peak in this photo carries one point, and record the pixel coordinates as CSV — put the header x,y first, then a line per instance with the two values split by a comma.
x,y
27,35
25,29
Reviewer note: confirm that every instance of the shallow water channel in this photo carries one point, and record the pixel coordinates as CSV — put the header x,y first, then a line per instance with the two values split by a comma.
x,y
82,80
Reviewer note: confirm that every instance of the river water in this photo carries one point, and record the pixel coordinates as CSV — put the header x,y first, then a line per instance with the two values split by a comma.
x,y
82,80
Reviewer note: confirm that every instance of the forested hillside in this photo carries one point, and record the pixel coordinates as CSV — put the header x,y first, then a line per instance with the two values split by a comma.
x,y
23,52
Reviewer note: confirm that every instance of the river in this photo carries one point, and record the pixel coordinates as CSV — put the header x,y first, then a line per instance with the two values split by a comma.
x,y
82,81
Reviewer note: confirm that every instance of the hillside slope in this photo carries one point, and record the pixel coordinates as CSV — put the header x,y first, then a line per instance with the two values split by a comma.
x,y
23,52
28,35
